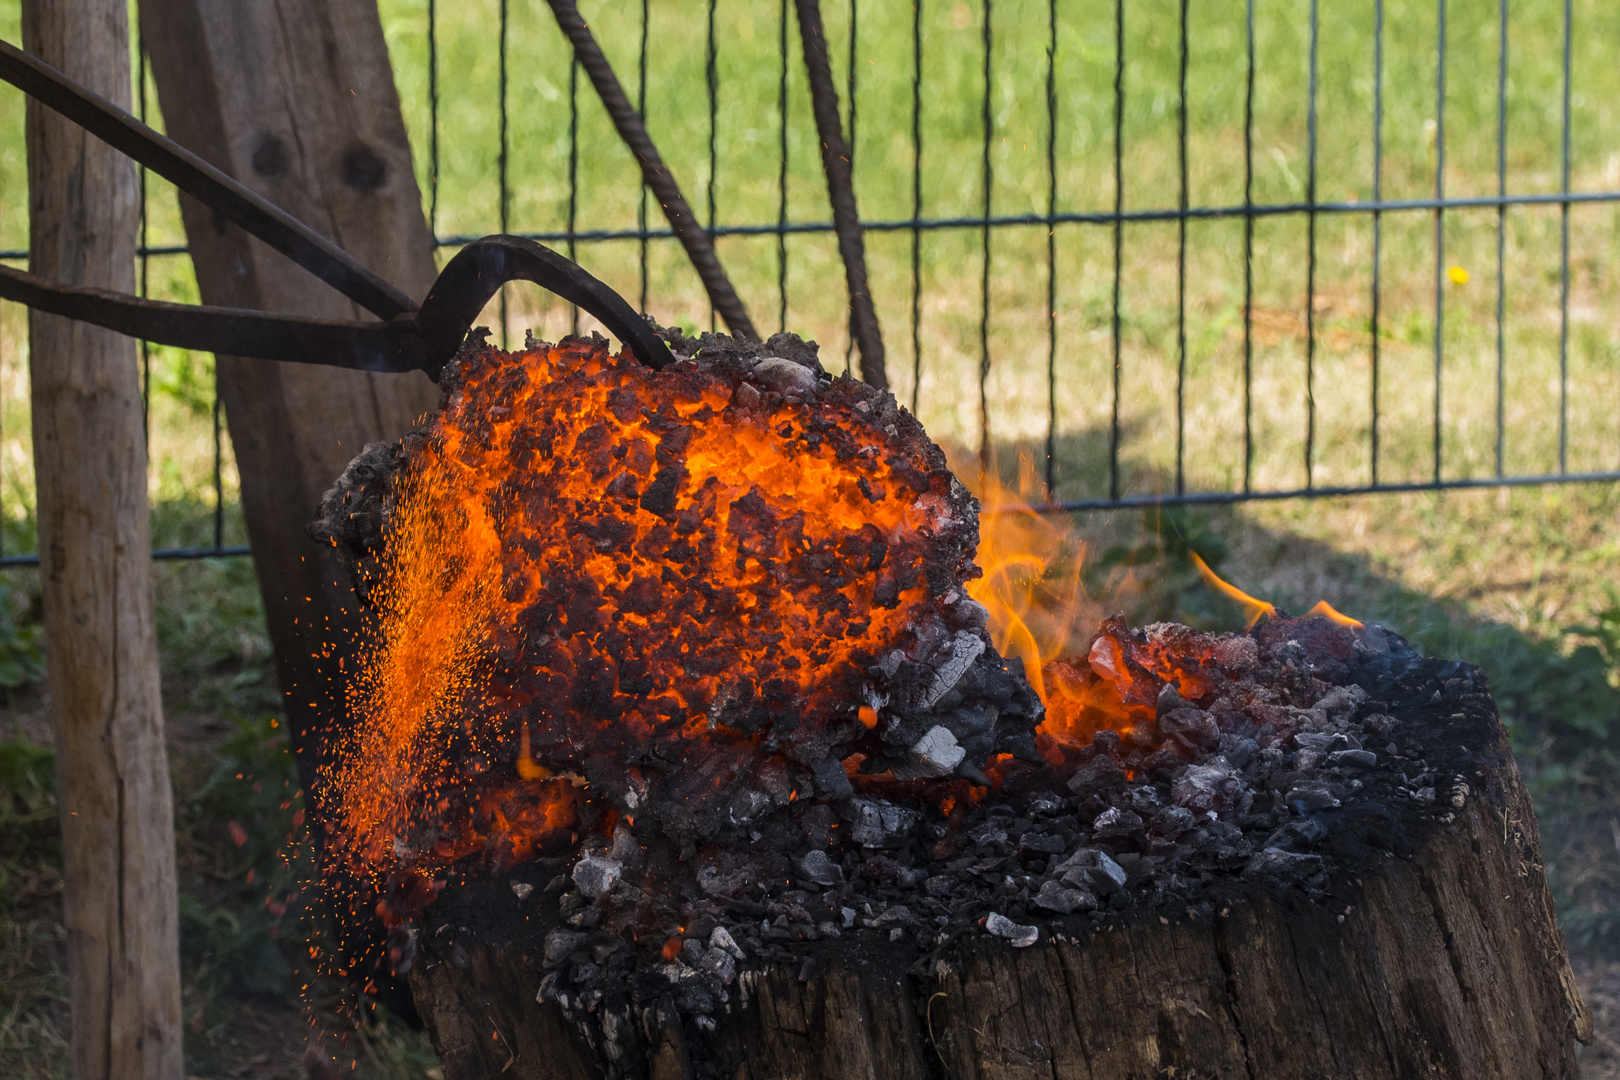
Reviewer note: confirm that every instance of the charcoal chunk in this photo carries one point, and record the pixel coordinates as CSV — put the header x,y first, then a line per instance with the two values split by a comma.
x,y
1061,898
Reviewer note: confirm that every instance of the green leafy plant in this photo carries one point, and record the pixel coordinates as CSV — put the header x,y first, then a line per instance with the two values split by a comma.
x,y
22,654
246,821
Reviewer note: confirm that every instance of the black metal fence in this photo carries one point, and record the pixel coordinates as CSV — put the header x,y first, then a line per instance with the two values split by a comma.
x,y
1108,476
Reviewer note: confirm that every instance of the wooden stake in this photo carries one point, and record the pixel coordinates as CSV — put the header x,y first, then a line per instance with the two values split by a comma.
x,y
119,902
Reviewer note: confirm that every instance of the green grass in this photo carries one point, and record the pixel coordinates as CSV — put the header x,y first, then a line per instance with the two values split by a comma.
x,y
1511,580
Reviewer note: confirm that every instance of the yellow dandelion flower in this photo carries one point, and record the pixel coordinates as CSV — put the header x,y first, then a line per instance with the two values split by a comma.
x,y
1458,275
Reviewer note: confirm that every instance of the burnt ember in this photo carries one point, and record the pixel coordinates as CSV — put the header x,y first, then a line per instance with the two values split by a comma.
x,y
1319,752
678,602
677,681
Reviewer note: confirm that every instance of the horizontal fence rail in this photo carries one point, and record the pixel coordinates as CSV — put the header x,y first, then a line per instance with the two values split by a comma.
x,y
904,154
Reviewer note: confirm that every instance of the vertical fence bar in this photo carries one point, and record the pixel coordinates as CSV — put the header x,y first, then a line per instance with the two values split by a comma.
x,y
219,471
854,113
1439,226
916,201
1181,255
1248,247
1377,220
1119,237
144,283
641,110
573,176
984,235
782,181
1051,250
1563,259
433,119
711,85
1501,225
505,192
1310,255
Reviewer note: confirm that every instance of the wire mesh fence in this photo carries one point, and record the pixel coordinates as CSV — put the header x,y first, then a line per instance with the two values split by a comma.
x,y
1174,251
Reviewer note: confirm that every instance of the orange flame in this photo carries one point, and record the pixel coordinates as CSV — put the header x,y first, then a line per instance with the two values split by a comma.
x,y
1032,562
1257,609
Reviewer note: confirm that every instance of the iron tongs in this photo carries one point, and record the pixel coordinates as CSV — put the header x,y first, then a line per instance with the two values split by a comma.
x,y
409,337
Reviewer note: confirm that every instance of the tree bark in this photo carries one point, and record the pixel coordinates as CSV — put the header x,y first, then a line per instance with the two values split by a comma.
x,y
119,900
296,99
1435,956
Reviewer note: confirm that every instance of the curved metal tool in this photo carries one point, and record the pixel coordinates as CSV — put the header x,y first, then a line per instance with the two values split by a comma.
x,y
409,338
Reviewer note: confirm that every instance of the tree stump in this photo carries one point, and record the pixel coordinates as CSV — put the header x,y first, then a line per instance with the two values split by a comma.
x,y
1431,951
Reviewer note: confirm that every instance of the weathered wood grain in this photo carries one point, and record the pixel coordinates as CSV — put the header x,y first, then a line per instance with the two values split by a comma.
x,y
119,899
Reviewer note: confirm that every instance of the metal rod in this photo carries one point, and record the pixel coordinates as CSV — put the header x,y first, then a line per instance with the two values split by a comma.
x,y
1563,257
782,175
1181,252
1248,246
916,201
505,189
699,247
1221,498
1439,228
1501,229
196,177
1377,220
836,163
976,221
1051,250
641,109
985,449
433,117
1310,254
1119,238
573,179
711,87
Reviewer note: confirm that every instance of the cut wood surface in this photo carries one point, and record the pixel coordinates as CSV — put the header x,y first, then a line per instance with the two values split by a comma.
x,y
1433,953
119,898
296,99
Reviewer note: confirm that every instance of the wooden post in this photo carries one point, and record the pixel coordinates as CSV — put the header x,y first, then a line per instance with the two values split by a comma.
x,y
296,99
119,901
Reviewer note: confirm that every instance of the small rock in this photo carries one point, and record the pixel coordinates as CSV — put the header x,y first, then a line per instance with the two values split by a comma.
x,y
1306,799
898,913
877,823
1055,896
595,875
938,752
1017,936
1353,759
1459,795
721,964
1093,870
522,889
784,376
1424,795
559,944
721,939
817,867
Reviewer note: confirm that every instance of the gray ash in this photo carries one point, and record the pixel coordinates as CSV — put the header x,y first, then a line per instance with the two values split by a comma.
x,y
1294,784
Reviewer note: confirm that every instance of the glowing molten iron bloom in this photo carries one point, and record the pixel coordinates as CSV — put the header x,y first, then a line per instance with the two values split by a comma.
x,y
593,572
